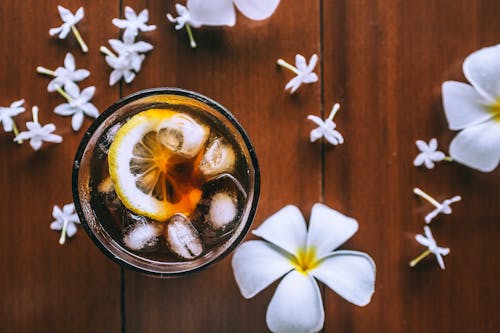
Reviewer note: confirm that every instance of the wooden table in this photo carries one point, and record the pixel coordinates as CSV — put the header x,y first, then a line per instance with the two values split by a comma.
x,y
384,61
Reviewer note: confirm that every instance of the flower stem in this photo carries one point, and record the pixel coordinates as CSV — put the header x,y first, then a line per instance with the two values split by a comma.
x,y
415,261
283,63
192,42
335,108
46,71
64,94
106,51
35,110
79,38
427,197
62,239
448,159
16,131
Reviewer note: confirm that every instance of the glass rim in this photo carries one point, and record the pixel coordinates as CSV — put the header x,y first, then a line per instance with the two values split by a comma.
x,y
129,99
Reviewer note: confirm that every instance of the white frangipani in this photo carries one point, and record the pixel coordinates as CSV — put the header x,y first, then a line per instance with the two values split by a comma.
x,y
440,207
197,13
303,71
7,114
475,111
301,254
78,105
326,128
65,221
37,134
429,242
134,23
69,23
66,75
429,154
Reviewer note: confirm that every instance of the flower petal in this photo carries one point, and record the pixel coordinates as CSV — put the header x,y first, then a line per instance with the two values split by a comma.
x,y
296,306
478,147
328,229
87,93
64,110
463,105
257,9
115,76
80,74
433,144
53,138
35,143
482,69
257,264
130,14
300,63
119,23
351,274
65,14
310,78
312,63
286,229
79,14
90,110
213,12
316,134
69,62
56,225
70,230
77,120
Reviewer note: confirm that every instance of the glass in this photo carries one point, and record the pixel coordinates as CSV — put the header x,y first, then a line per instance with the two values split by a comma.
x,y
107,226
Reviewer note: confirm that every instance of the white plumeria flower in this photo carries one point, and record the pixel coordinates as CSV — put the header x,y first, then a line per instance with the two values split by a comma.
x,y
441,207
429,242
78,105
299,254
475,110
70,20
134,23
429,154
303,70
65,220
37,133
219,13
64,75
326,128
7,113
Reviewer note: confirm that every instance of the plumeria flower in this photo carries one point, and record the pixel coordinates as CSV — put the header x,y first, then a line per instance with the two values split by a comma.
x,y
64,75
219,13
7,113
475,110
70,20
429,154
432,247
303,70
128,60
78,105
441,207
299,254
37,133
65,220
134,23
326,128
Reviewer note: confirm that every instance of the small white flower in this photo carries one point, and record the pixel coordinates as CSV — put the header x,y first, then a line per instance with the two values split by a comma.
x,y
428,154
475,111
303,70
67,74
38,134
432,247
65,220
301,254
134,23
78,105
184,18
7,113
441,207
326,128
122,68
70,20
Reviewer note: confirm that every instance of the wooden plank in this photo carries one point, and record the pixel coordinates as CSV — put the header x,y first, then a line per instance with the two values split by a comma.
x,y
385,62
46,287
236,67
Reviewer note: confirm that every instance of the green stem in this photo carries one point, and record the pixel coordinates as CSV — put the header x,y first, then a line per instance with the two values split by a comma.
x,y
448,159
192,42
415,261
62,239
16,131
335,108
79,38
46,71
283,63
34,110
427,197
64,94
106,51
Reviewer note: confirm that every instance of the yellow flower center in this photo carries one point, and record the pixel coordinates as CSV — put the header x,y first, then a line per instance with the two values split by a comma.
x,y
494,109
305,259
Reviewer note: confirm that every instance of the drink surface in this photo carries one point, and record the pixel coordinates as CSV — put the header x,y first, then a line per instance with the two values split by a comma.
x,y
169,183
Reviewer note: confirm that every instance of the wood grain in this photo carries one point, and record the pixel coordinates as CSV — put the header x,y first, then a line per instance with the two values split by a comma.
x,y
384,61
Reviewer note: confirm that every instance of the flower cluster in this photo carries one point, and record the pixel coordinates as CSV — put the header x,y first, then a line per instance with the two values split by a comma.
x,y
129,54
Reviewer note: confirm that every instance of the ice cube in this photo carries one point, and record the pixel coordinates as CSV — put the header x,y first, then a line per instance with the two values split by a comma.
x,y
106,139
107,192
141,234
220,208
183,135
218,157
182,238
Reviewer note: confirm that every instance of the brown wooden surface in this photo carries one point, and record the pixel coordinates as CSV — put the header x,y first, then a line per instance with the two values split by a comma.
x,y
384,61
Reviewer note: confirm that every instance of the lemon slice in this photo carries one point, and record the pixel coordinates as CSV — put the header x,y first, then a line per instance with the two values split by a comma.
x,y
150,179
